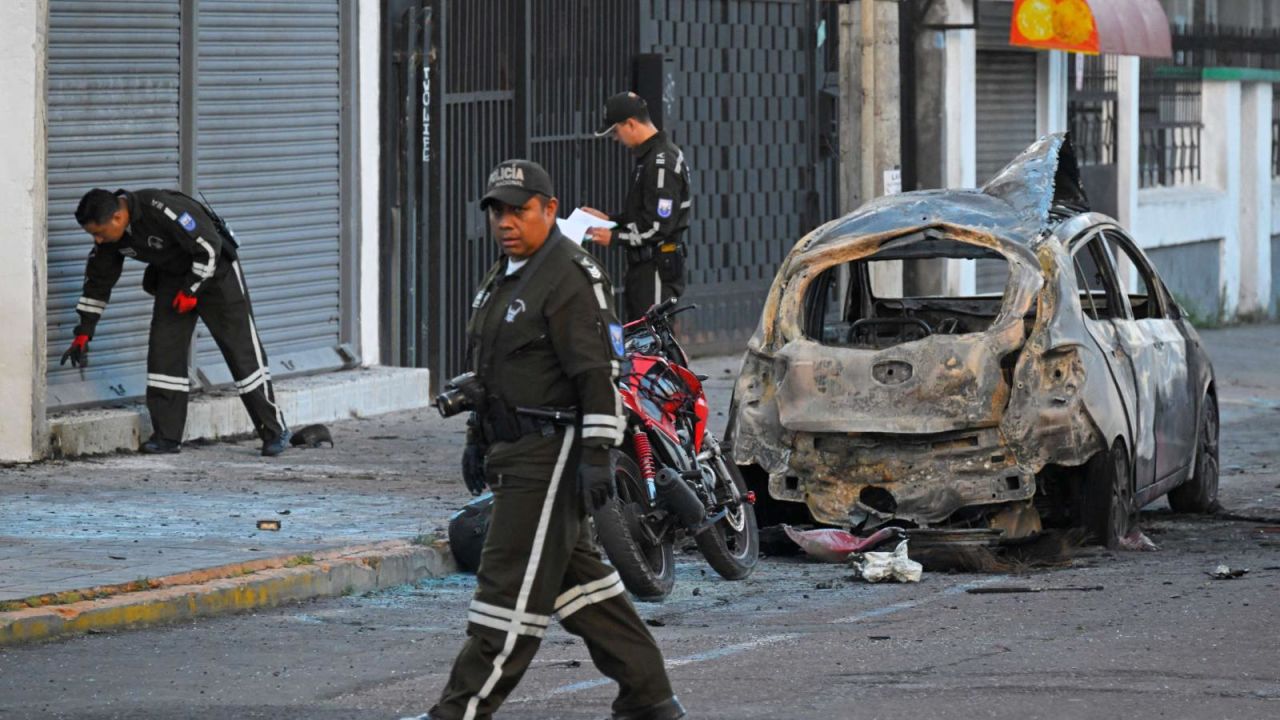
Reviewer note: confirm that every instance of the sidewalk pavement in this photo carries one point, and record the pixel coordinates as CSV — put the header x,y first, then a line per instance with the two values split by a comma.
x,y
174,536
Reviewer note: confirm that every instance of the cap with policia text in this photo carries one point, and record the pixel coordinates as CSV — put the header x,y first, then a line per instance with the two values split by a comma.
x,y
513,182
621,107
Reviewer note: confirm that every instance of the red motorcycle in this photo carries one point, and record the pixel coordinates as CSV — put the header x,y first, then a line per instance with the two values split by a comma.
x,y
672,478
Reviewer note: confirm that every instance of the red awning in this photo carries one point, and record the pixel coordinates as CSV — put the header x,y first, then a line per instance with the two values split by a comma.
x,y
1132,27
1117,27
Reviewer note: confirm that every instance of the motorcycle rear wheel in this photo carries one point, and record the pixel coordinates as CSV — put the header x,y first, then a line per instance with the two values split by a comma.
x,y
648,571
732,545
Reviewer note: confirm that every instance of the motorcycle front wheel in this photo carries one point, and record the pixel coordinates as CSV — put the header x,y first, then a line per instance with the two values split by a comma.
x,y
732,545
648,571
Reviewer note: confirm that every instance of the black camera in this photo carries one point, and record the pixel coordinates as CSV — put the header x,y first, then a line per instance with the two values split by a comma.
x,y
460,394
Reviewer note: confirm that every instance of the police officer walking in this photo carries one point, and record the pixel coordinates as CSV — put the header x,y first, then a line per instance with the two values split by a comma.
x,y
544,346
193,271
655,214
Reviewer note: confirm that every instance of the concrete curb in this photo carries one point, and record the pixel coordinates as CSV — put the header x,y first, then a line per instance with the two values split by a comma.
x,y
220,414
234,588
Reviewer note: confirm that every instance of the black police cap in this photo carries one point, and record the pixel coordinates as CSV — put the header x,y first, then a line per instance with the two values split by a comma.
x,y
513,182
619,108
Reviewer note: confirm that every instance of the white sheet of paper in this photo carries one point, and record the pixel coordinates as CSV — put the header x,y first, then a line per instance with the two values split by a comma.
x,y
575,226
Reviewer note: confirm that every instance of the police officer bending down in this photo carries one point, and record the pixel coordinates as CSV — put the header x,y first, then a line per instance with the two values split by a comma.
x,y
193,271
544,346
655,214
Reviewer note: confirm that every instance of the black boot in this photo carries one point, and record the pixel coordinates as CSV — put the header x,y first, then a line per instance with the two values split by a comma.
x,y
669,709
272,448
159,446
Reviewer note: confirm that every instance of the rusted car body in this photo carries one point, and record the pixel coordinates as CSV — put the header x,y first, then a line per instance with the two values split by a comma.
x,y
1050,403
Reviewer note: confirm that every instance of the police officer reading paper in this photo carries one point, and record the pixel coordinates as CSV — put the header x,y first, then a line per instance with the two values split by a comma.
x,y
193,271
655,214
543,346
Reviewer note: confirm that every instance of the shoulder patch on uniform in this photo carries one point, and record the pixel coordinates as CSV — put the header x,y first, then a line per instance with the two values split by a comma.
x,y
590,267
615,339
665,206
661,159
187,222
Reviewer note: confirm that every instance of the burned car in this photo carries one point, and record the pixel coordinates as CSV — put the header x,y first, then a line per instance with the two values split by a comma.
x,y
1078,395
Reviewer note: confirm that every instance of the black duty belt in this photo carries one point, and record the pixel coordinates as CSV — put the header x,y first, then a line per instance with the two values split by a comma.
x,y
505,426
645,253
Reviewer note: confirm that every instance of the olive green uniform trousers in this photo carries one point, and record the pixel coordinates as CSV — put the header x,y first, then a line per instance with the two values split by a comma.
x,y
538,562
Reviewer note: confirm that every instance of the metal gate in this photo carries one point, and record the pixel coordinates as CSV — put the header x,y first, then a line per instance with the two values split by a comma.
x,y
113,122
478,81
743,100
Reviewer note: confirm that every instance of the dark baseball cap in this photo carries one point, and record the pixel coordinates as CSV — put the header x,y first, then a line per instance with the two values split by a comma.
x,y
620,107
515,181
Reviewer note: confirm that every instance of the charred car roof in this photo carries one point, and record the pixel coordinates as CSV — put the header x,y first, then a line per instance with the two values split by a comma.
x,y
1015,205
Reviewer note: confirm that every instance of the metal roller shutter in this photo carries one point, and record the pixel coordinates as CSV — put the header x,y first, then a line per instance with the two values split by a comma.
x,y
268,115
113,122
1006,99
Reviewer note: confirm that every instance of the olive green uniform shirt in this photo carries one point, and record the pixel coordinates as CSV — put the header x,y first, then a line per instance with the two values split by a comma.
x,y
559,344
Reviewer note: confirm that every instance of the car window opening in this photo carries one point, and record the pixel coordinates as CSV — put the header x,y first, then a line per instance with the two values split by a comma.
x,y
874,303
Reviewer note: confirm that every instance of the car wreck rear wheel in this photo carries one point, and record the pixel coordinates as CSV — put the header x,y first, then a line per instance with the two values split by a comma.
x,y
1199,494
1105,506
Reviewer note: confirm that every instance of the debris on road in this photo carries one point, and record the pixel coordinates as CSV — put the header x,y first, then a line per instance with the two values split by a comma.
x,y
1012,589
1223,572
878,566
1137,541
835,546
312,436
272,525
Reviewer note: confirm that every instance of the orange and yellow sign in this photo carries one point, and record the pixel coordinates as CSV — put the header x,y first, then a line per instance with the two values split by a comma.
x,y
1054,25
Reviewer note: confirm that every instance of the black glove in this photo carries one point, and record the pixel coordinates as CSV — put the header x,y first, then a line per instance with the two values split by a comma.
x,y
78,353
473,468
595,478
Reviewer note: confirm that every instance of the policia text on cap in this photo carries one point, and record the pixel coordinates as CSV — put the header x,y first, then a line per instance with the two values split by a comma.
x,y
543,347
655,213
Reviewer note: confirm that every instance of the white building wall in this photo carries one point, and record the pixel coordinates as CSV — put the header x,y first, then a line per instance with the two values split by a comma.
x,y
1255,198
23,206
1051,92
370,174
961,136
1234,204
1127,172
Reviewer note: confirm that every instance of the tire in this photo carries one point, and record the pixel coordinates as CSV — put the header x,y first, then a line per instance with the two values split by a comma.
x,y
1107,496
648,571
732,546
1199,494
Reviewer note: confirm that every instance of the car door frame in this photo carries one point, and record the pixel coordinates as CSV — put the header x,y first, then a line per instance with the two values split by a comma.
x,y
1177,394
1128,349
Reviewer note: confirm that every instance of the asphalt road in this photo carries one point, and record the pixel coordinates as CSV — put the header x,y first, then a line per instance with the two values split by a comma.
x,y
1159,639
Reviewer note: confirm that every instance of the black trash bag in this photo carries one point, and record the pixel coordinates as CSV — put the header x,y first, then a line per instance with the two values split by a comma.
x,y
467,530
312,436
